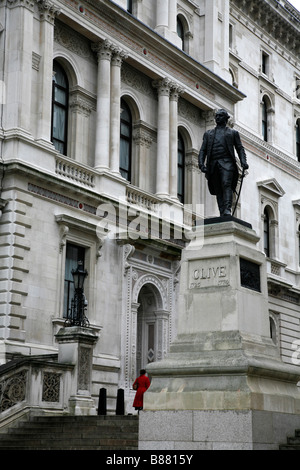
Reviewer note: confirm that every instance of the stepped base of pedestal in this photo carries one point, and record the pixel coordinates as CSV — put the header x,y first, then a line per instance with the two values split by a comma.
x,y
214,430
223,382
220,391
223,371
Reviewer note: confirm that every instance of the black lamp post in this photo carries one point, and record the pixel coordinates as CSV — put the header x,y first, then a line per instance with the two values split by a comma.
x,y
78,303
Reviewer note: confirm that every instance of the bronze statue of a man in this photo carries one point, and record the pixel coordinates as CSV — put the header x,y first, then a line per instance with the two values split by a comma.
x,y
220,168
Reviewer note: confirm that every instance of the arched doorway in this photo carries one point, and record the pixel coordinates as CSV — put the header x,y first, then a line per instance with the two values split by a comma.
x,y
152,327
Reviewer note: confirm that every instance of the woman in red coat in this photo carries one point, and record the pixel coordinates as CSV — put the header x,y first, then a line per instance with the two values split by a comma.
x,y
141,384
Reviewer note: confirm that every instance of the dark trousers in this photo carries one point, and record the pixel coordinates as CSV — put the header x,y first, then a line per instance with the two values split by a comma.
x,y
224,191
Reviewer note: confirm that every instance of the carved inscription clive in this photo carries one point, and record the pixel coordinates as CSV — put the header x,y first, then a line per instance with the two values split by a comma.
x,y
209,273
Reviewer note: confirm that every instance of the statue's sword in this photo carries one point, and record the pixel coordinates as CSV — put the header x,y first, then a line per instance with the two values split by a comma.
x,y
238,196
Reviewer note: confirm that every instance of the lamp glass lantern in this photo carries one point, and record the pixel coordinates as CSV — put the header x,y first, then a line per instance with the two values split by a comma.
x,y
79,275
77,316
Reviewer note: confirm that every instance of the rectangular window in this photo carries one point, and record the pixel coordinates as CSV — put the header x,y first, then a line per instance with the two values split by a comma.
x,y
230,36
266,234
265,63
298,140
74,254
298,88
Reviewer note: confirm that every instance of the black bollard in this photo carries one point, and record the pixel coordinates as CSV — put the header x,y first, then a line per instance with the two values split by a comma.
x,y
120,402
102,402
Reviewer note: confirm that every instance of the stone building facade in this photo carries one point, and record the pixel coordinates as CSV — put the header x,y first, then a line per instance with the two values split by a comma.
x,y
103,109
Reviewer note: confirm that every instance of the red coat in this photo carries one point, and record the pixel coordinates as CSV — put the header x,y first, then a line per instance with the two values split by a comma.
x,y
143,383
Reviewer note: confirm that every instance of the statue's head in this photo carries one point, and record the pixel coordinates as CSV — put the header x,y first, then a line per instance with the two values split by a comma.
x,y
221,116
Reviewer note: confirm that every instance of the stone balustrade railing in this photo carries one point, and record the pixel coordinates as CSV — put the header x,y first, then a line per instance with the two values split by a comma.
x,y
74,172
142,199
58,383
31,384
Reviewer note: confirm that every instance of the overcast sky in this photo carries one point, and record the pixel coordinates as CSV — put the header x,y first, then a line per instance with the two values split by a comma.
x,y
295,3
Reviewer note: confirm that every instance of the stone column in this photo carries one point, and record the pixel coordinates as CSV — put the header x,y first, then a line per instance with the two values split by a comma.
x,y
216,37
76,347
162,16
18,64
166,21
163,138
81,110
174,141
211,34
104,53
193,177
143,142
47,16
115,110
173,16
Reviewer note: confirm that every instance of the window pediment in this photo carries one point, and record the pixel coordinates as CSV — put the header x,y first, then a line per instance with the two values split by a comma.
x,y
272,186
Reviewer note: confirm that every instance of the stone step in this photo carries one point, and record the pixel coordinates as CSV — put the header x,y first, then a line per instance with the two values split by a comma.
x,y
73,433
288,447
293,442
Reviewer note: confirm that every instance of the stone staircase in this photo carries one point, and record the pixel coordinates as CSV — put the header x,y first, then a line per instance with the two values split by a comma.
x,y
73,433
293,443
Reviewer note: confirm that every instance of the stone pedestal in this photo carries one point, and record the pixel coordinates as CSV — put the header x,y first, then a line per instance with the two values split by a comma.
x,y
223,384
76,347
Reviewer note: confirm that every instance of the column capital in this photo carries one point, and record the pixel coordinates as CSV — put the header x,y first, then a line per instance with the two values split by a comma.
x,y
118,56
103,49
81,106
142,137
163,86
107,50
176,91
166,86
48,11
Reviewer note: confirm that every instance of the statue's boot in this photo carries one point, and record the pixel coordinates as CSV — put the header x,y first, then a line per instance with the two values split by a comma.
x,y
227,202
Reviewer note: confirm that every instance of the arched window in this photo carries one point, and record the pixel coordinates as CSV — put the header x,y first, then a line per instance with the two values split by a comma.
x,y
298,139
273,330
265,120
180,169
129,6
60,98
180,31
266,232
125,141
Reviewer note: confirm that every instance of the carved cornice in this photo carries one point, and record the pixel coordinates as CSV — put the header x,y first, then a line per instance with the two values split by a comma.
x,y
270,153
19,3
269,18
144,45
